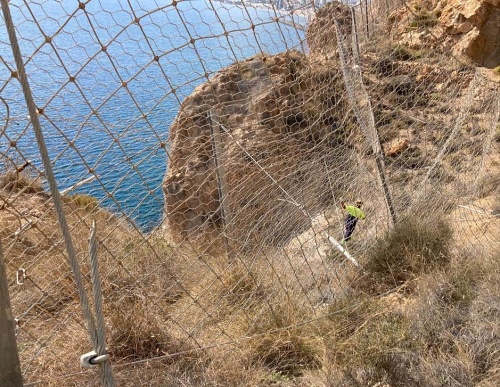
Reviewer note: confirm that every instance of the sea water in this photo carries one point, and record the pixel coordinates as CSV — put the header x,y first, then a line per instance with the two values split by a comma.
x,y
107,111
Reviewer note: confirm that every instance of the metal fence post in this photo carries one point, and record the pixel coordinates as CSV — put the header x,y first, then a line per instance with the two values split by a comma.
x,y
367,21
105,372
10,369
360,102
221,181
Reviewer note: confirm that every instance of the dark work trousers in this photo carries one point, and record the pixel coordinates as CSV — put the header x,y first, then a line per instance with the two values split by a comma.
x,y
350,225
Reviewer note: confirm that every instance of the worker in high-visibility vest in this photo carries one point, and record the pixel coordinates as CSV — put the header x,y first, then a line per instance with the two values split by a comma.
x,y
353,214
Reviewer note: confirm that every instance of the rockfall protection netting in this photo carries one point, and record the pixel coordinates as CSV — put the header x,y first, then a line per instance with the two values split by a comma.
x,y
213,144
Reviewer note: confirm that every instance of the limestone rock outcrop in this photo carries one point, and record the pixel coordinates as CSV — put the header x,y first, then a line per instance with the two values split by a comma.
x,y
468,28
273,113
321,35
475,25
397,147
285,126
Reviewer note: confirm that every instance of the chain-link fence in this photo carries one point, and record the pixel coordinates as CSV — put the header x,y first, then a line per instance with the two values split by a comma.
x,y
217,146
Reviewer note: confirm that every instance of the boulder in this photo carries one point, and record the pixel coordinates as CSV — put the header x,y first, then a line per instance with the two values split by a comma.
x,y
397,147
321,35
275,114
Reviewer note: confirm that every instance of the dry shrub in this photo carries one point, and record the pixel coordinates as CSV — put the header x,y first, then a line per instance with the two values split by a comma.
x,y
489,185
234,293
153,264
280,345
153,374
286,353
138,333
216,300
456,286
455,318
348,313
415,246
401,52
138,289
13,181
371,344
480,336
239,287
134,337
423,19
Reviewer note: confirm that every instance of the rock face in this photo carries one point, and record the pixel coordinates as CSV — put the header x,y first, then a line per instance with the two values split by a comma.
x,y
284,123
321,35
274,113
476,26
467,27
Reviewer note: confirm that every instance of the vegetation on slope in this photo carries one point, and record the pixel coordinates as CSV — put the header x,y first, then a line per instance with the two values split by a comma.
x,y
422,313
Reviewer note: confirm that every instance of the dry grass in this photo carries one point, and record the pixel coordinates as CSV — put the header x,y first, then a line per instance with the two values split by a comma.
x,y
424,314
416,245
456,315
141,335
281,346
15,182
86,202
48,301
171,315
446,333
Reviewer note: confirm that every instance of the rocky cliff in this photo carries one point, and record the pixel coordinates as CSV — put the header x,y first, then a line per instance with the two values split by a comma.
x,y
273,114
321,35
285,124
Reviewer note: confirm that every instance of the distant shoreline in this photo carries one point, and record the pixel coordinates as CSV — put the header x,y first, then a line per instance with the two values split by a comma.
x,y
302,12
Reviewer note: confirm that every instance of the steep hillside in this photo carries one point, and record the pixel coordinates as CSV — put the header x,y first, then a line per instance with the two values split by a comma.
x,y
282,117
242,287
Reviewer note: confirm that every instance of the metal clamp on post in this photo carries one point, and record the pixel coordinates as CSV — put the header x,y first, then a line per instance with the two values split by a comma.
x,y
17,325
91,359
21,276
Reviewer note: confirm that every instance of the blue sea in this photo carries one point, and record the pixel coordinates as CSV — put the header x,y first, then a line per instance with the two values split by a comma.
x,y
106,112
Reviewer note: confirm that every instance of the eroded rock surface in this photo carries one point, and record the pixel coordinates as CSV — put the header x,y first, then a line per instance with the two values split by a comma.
x,y
287,133
470,28
274,114
321,33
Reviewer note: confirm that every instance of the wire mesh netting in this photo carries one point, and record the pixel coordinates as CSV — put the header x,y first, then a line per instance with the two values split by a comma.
x,y
217,146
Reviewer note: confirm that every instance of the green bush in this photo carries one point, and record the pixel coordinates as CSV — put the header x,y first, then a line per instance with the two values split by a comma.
x,y
401,52
422,19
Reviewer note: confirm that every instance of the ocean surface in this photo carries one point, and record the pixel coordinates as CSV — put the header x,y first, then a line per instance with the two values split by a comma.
x,y
107,112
